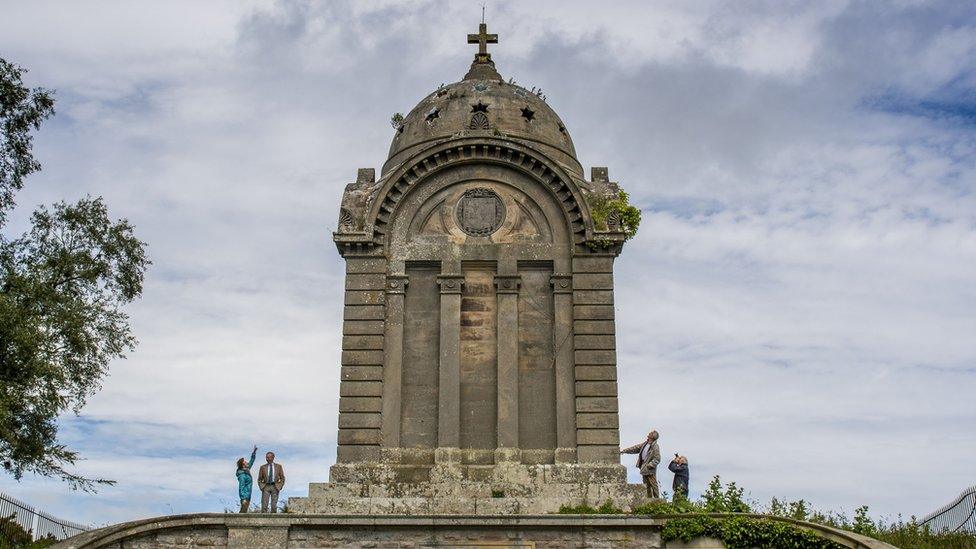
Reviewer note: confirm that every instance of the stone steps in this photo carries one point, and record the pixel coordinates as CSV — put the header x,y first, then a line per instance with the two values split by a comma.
x,y
459,498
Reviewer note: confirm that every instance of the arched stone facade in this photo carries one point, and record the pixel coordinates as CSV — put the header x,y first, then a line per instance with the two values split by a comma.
x,y
479,360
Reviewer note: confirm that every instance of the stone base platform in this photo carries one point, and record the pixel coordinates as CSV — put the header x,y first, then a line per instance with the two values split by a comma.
x,y
453,485
415,532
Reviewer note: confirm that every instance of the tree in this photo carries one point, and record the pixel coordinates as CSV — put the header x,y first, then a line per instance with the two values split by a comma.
x,y
62,287
21,110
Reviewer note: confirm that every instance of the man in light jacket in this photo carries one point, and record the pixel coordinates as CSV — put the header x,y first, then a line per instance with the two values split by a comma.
x,y
271,479
648,456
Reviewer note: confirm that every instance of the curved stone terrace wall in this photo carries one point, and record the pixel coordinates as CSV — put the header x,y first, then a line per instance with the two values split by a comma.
x,y
315,531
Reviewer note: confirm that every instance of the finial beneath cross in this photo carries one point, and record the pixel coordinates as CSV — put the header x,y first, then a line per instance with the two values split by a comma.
x,y
483,39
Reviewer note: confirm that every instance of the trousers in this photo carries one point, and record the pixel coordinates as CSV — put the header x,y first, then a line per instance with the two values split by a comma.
x,y
270,492
650,481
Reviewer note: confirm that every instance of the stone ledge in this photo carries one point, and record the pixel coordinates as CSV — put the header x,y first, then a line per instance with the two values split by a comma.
x,y
266,530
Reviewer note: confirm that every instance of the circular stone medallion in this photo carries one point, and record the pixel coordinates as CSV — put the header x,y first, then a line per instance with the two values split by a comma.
x,y
480,212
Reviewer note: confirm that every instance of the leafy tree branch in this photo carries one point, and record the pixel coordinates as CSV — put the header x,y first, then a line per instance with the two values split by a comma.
x,y
63,285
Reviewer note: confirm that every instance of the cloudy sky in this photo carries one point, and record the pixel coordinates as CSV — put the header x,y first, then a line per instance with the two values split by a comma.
x,y
796,314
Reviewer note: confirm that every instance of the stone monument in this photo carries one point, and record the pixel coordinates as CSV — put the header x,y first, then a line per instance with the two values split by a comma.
x,y
478,352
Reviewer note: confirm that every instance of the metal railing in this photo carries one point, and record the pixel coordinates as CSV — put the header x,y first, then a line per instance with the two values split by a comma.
x,y
957,516
15,514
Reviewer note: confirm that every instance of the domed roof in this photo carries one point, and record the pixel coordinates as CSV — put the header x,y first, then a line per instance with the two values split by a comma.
x,y
483,103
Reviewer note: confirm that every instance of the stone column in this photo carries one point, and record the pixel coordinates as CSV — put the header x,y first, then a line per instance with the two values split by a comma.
x,y
396,286
562,330
507,290
449,385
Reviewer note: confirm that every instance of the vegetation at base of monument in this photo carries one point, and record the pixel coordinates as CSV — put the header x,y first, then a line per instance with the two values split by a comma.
x,y
755,532
745,533
608,508
628,216
62,286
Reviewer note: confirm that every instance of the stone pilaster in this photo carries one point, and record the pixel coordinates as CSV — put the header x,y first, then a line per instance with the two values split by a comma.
x,y
449,368
507,294
562,329
396,286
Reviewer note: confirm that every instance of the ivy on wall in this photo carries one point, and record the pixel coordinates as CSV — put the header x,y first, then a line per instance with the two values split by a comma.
x,y
690,520
735,532
745,533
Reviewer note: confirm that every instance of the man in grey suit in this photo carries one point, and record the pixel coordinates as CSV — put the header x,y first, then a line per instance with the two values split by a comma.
x,y
648,456
271,479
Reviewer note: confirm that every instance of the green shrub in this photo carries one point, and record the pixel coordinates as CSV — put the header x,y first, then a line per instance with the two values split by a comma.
x,y
729,500
745,533
679,506
748,532
899,533
603,205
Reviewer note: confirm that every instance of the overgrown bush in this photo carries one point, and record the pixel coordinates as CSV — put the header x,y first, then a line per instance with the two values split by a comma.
x,y
605,207
745,533
748,532
900,533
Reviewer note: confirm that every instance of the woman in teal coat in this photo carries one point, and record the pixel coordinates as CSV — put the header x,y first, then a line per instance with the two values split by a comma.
x,y
244,480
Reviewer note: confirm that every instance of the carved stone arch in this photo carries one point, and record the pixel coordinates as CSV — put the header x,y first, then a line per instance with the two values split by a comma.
x,y
530,162
526,214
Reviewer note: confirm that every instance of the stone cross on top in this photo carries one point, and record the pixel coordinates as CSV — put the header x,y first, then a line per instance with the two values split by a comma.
x,y
483,39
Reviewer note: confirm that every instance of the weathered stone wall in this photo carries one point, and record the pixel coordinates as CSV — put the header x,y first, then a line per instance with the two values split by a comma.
x,y
597,423
406,484
310,531
361,385
520,334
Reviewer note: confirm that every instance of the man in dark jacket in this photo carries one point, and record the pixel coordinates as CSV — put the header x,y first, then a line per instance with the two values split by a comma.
x,y
648,456
679,466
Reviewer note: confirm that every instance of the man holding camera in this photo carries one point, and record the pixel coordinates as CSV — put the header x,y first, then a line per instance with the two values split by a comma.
x,y
648,456
679,466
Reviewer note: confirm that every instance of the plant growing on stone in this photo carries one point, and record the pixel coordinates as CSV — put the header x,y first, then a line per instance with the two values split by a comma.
x,y
607,508
396,120
613,211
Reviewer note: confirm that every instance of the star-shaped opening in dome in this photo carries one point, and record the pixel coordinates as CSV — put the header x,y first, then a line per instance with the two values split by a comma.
x,y
528,114
480,107
434,113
